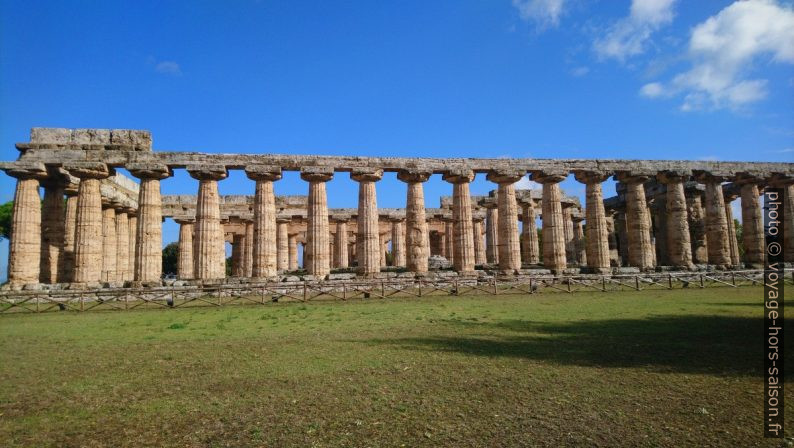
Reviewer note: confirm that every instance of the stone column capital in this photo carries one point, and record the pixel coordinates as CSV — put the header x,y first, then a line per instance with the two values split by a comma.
x,y
414,175
263,172
366,174
708,177
283,220
672,177
88,170
150,170
317,173
632,177
548,176
592,177
748,178
505,176
182,221
488,203
22,170
208,172
780,180
458,176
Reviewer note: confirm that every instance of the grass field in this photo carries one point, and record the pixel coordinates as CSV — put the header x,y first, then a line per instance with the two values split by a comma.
x,y
666,368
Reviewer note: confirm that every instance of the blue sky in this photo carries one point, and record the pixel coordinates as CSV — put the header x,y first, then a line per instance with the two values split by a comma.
x,y
656,79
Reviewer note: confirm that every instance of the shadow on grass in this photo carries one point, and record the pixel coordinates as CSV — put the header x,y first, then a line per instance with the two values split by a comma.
x,y
684,344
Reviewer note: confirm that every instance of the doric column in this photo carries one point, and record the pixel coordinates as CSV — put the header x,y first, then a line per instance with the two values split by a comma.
x,y
316,258
622,235
52,229
491,231
638,221
449,246
340,244
553,226
70,220
530,253
264,239
730,195
786,183
248,252
752,221
567,219
384,249
442,244
397,243
462,226
293,252
122,244
238,249
579,239
24,251
658,211
597,250
679,246
184,265
88,229
149,245
133,240
208,244
697,225
282,244
479,242
367,240
109,246
716,223
509,243
416,235
612,237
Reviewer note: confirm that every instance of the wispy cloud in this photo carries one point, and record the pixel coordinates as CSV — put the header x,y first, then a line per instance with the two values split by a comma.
x,y
168,68
526,184
580,71
544,13
629,36
723,50
782,151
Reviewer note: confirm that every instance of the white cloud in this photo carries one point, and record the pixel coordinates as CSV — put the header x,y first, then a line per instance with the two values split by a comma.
x,y
629,35
580,71
722,51
652,90
545,13
168,68
526,184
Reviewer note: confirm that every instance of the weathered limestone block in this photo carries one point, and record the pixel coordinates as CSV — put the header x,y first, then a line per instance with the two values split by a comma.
x,y
149,243
316,258
25,245
509,242
369,248
122,244
597,246
248,251
479,243
209,246
238,247
752,223
530,251
264,256
397,243
697,227
579,240
621,232
716,223
679,246
60,136
88,230
52,230
184,266
492,232
293,252
109,247
384,249
462,228
133,240
553,229
638,222
449,245
67,267
733,245
570,245
340,244
282,241
614,255
416,234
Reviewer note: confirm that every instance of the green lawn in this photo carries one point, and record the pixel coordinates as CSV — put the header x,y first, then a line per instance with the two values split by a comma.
x,y
663,368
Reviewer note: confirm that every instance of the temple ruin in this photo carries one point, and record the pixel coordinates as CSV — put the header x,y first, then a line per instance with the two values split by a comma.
x,y
95,228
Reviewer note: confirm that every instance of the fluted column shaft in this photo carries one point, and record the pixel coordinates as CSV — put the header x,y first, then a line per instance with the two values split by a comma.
x,y
70,221
316,259
719,251
479,243
122,245
184,267
733,243
417,239
570,246
133,244
449,246
24,250
149,244
579,242
384,249
293,252
264,238
679,245
248,250
368,242
492,235
638,223
553,226
52,231
340,245
109,246
282,245
397,244
509,242
597,234
238,249
529,234
88,228
697,228
462,225
207,230
752,225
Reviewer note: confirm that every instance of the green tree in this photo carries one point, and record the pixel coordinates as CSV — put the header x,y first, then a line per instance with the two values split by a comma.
x,y
739,237
170,255
5,219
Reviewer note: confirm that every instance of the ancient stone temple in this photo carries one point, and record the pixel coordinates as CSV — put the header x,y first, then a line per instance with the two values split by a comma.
x,y
92,227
